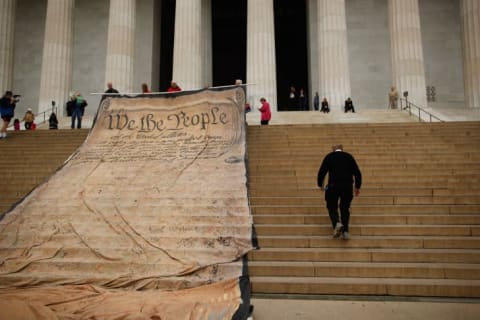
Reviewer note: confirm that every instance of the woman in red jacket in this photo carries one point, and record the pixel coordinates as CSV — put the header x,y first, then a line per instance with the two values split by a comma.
x,y
266,113
174,87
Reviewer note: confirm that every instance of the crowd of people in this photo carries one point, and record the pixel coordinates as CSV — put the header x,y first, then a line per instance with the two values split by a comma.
x,y
299,102
8,103
75,107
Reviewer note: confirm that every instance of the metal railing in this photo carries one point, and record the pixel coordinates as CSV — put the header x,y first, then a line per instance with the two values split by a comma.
x,y
45,116
418,111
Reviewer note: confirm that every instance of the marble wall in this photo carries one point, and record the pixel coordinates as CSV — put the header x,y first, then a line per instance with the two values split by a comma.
x,y
369,52
368,45
90,49
442,50
89,53
29,34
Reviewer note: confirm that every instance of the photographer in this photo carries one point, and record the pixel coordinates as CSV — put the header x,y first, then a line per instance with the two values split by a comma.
x,y
7,107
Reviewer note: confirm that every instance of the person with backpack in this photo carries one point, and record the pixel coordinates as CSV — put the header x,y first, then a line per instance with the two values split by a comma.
x,y
28,119
53,121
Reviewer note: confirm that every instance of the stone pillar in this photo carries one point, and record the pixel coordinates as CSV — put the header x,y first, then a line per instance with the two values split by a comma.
x,y
188,48
333,72
207,42
7,27
120,45
408,70
261,64
56,75
312,43
470,13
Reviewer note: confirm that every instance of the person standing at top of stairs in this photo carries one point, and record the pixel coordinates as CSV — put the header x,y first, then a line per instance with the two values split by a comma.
x,y
7,107
341,168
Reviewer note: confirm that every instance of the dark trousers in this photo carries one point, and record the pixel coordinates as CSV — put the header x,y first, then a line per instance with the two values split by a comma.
x,y
264,122
348,108
332,195
77,114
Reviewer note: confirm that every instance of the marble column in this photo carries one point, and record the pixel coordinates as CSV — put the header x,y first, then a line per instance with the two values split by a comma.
x,y
261,64
7,26
312,44
470,13
408,70
207,42
333,66
188,49
121,45
56,74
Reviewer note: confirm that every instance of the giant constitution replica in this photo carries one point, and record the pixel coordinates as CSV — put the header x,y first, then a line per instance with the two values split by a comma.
x,y
149,217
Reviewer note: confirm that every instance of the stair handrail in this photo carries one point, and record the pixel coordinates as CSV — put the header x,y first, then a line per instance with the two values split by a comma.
x,y
44,113
407,105
39,115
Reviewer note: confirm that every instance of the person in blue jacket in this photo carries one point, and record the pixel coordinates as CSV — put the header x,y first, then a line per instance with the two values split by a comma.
x,y
7,107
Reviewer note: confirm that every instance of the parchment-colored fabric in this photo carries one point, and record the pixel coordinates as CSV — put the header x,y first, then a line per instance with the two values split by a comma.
x,y
217,301
154,199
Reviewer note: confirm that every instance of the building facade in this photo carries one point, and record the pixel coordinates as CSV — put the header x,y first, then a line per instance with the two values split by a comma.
x,y
338,48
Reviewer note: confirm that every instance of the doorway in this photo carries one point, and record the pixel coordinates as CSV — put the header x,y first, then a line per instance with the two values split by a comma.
x,y
229,41
291,51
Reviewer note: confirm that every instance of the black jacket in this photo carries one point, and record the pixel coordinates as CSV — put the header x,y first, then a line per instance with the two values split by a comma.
x,y
341,167
6,107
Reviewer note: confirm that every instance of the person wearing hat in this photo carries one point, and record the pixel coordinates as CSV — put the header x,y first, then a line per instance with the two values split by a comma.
x,y
28,118
342,169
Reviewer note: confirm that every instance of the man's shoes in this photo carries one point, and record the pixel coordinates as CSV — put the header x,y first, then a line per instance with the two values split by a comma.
x,y
346,236
338,230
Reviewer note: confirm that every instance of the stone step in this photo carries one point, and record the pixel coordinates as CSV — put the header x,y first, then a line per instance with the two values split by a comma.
x,y
312,151
316,192
367,172
371,219
350,133
364,200
432,159
364,270
368,181
371,209
387,184
385,166
368,230
367,255
367,286
393,242
317,134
